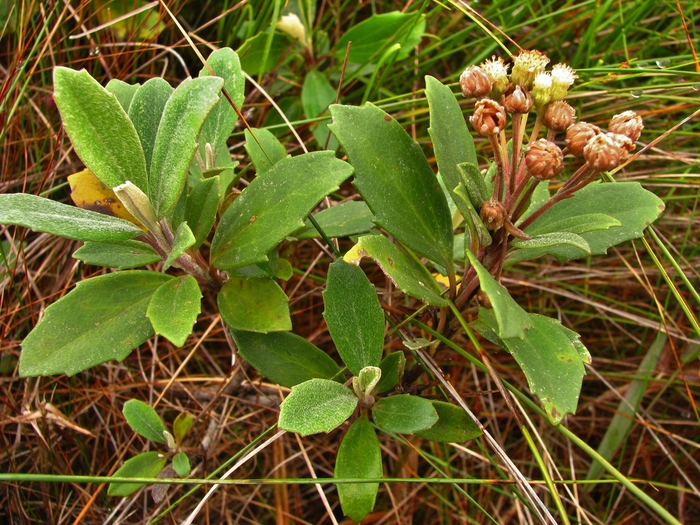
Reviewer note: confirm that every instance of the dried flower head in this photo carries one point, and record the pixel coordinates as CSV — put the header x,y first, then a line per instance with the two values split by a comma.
x,y
526,66
627,123
516,100
493,214
475,82
562,79
542,89
559,116
604,152
578,135
497,72
489,117
544,159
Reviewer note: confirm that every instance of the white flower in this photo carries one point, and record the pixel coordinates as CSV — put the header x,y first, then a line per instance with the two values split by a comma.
x,y
562,79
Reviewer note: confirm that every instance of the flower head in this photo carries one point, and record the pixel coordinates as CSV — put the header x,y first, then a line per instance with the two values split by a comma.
x,y
516,100
605,151
475,82
627,123
526,66
497,72
562,79
542,89
559,116
544,159
489,117
578,135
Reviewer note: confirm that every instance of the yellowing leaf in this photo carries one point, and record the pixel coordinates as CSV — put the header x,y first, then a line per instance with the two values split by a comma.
x,y
90,193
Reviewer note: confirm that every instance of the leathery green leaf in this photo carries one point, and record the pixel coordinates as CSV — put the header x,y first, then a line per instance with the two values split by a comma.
x,y
408,274
144,420
317,405
44,215
453,425
103,318
359,457
264,152
181,464
341,220
395,180
512,320
123,91
174,308
392,369
404,414
176,139
353,315
146,465
452,142
255,304
101,132
145,112
284,358
120,255
201,208
551,360
219,124
182,241
273,206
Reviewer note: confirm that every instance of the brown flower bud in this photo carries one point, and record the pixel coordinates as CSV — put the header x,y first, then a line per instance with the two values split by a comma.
x,y
622,141
627,123
544,159
489,117
605,152
475,82
578,135
493,214
559,116
516,100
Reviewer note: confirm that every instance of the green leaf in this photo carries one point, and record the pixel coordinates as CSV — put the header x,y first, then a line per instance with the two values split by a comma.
x,y
344,219
392,369
372,36
120,255
182,241
144,420
181,464
475,226
267,153
146,465
44,215
102,134
222,118
512,320
201,208
103,318
254,305
273,206
285,358
551,240
408,274
252,53
145,112
359,457
181,426
453,426
452,142
551,361
404,414
316,95
174,308
474,184
176,139
395,180
633,206
317,405
123,91
354,317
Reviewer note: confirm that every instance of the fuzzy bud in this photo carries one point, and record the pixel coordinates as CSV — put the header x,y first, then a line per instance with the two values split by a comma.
x,y
559,116
526,66
516,100
604,152
292,26
562,79
497,71
542,90
475,82
622,141
578,135
627,123
493,214
489,117
544,159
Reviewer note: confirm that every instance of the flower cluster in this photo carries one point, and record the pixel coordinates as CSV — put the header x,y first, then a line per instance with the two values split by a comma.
x,y
531,88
